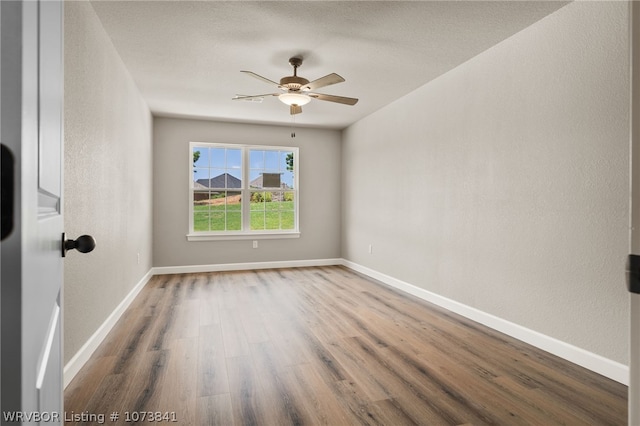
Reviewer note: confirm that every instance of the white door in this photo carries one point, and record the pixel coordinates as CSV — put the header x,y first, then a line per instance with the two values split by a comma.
x,y
32,268
634,275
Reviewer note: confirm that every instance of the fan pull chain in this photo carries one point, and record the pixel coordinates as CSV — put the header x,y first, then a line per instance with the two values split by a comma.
x,y
293,126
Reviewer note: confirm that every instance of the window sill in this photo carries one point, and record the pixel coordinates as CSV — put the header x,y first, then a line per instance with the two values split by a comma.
x,y
243,236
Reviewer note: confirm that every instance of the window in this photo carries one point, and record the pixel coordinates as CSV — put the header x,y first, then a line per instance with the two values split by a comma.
x,y
242,191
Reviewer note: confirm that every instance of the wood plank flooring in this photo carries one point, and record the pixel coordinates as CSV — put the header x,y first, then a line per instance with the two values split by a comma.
x,y
324,346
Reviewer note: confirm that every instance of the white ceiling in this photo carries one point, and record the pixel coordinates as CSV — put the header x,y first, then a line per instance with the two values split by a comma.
x,y
186,56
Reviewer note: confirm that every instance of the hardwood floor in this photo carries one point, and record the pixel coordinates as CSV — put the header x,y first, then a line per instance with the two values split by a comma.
x,y
326,346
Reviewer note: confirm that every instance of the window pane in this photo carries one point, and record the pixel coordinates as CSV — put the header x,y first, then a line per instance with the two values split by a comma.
x,y
286,161
288,198
214,198
257,201
279,196
257,220
272,220
218,179
234,179
234,201
256,159
201,197
217,211
287,168
201,176
200,216
217,219
255,178
200,156
287,180
218,158
271,201
234,158
271,161
234,221
288,220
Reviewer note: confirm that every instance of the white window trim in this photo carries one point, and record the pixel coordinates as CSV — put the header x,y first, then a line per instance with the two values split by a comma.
x,y
234,235
246,233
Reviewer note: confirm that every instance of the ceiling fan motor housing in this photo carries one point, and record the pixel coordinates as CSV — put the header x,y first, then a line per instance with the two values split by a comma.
x,y
293,82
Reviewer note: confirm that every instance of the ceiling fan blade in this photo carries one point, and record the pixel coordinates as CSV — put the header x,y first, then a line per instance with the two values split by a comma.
x,y
333,98
259,77
327,80
247,98
295,109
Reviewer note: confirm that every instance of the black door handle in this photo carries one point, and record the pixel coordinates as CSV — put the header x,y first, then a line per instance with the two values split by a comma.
x,y
84,244
6,192
633,273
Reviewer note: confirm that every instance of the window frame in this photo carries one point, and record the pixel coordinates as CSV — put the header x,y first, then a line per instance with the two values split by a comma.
x,y
246,233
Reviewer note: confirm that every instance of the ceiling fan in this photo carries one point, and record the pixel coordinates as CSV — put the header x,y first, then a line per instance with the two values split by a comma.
x,y
297,91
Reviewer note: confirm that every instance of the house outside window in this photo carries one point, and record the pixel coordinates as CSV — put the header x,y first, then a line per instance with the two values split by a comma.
x,y
242,191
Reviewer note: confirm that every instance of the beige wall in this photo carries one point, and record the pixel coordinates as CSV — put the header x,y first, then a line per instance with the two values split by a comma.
x,y
319,194
107,177
504,183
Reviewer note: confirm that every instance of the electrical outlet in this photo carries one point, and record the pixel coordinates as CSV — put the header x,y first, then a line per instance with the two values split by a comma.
x,y
255,244
370,248
138,258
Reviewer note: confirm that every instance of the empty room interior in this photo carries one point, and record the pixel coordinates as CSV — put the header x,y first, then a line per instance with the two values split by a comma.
x,y
431,229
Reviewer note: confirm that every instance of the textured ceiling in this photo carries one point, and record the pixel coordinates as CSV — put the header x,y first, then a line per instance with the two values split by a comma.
x,y
186,56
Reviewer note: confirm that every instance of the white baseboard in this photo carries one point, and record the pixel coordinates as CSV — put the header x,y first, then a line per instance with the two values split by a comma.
x,y
82,356
190,269
599,364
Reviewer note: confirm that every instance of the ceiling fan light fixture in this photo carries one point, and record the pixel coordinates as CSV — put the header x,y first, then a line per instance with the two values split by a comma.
x,y
297,91
294,99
